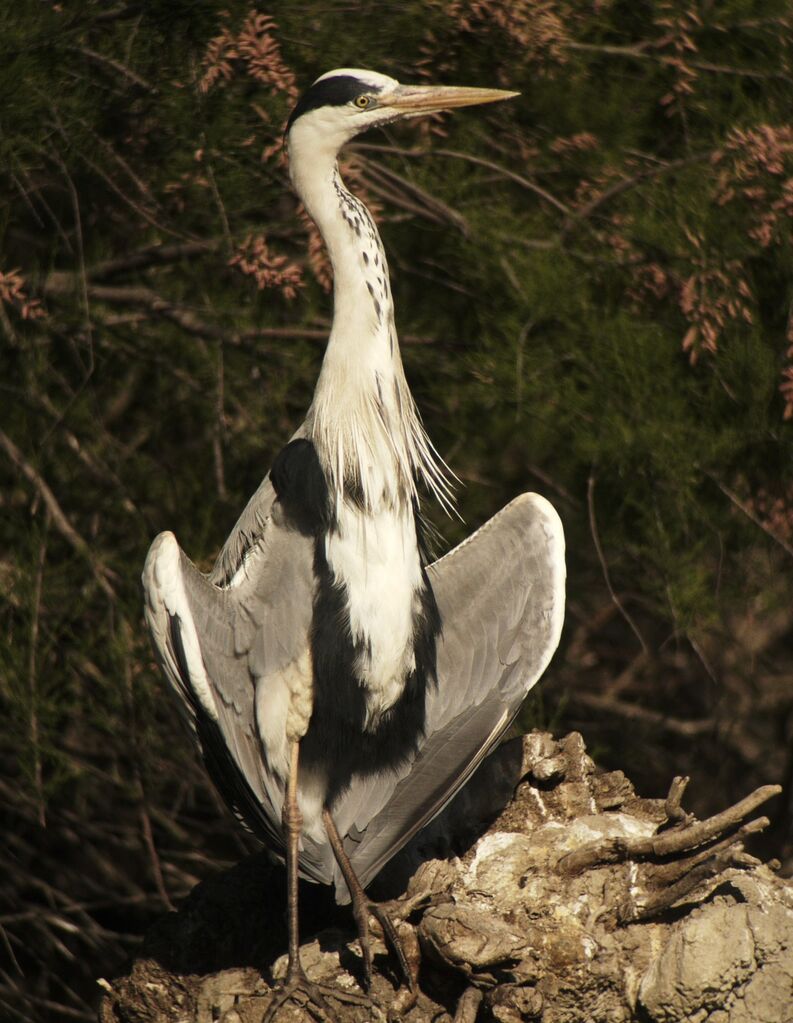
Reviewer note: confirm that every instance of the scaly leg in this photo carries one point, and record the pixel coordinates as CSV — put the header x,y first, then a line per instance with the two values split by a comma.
x,y
293,822
296,979
362,906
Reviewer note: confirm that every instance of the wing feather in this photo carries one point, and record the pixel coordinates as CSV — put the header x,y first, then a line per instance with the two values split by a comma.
x,y
225,642
501,598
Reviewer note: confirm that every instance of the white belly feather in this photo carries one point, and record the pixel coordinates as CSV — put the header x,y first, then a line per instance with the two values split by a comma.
x,y
374,554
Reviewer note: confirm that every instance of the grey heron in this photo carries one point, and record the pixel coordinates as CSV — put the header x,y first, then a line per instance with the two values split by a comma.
x,y
340,687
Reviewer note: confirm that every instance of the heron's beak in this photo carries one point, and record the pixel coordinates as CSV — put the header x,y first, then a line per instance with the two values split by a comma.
x,y
411,100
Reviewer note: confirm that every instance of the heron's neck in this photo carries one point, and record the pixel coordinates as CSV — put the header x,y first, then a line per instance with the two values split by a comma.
x,y
363,331
363,419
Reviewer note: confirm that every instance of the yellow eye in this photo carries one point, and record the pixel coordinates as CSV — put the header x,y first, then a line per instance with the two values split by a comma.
x,y
362,102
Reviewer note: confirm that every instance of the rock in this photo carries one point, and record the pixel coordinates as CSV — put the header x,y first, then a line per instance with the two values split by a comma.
x,y
507,930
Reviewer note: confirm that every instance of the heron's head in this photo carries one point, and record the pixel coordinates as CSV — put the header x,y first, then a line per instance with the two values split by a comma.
x,y
345,102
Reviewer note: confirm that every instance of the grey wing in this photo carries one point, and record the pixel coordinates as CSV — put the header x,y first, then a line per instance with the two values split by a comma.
x,y
501,598
230,652
249,527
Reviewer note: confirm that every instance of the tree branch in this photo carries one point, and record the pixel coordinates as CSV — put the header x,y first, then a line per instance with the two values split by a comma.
x,y
115,65
590,499
101,572
477,161
644,53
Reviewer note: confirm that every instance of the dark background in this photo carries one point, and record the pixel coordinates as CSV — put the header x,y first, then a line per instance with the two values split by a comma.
x,y
593,291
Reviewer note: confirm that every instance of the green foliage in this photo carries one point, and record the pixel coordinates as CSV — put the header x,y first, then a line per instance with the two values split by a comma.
x,y
592,285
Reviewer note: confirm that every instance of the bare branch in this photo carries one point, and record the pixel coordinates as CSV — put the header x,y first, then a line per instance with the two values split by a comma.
x,y
674,842
143,809
115,65
742,506
104,576
590,498
644,53
645,715
154,255
78,231
139,183
530,186
132,295
673,805
437,210
33,689
632,182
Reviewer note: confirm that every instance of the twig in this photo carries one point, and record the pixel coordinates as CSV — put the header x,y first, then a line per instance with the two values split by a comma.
x,y
668,873
479,162
25,196
530,186
217,437
224,220
627,183
703,831
39,192
654,718
377,186
590,500
135,206
319,334
152,255
59,1007
100,469
642,53
115,65
38,777
535,244
133,295
10,950
112,184
140,296
102,574
550,482
139,183
649,906
145,819
8,327
739,504
669,843
625,677
431,202
672,806
78,232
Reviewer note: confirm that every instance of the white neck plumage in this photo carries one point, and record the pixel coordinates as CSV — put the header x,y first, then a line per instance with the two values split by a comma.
x,y
363,420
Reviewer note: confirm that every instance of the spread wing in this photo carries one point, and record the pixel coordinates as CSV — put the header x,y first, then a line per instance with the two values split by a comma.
x,y
228,643
501,598
229,640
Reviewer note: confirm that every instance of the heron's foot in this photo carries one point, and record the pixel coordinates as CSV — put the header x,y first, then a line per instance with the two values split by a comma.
x,y
366,913
404,945
299,989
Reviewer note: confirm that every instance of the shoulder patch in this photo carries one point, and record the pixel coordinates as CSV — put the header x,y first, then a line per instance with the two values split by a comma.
x,y
301,487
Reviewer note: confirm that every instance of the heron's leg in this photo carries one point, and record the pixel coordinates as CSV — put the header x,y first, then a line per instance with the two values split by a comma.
x,y
296,979
292,821
362,906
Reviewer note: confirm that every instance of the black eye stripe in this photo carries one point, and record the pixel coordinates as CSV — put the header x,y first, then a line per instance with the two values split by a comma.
x,y
331,92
